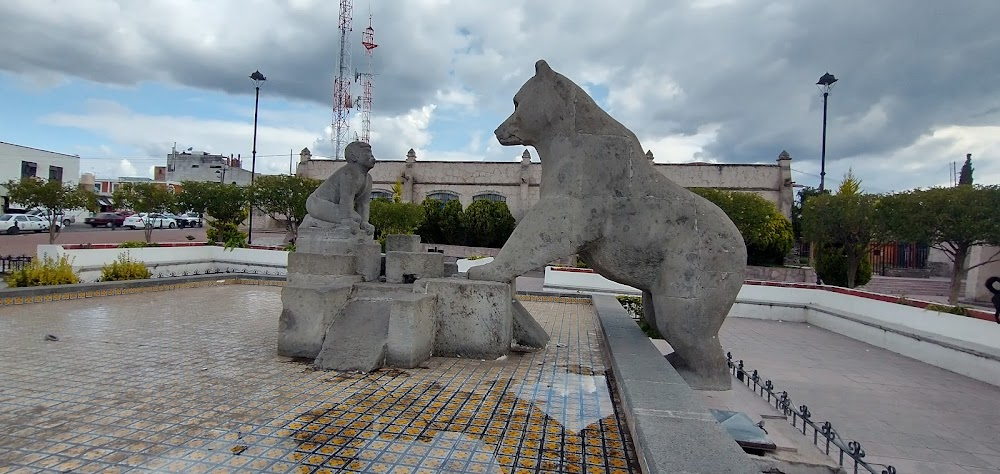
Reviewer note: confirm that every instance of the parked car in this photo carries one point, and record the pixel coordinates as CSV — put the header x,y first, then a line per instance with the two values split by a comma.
x,y
16,223
156,220
189,219
105,219
61,217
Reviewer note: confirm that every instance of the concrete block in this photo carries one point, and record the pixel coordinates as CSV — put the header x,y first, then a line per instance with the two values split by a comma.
x,y
356,339
527,331
450,268
402,243
411,330
338,257
307,312
404,267
473,318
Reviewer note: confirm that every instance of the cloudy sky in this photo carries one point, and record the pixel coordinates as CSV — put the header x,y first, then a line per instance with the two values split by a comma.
x,y
730,81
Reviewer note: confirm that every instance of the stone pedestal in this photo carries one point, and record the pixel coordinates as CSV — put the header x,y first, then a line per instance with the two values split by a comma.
x,y
308,309
402,243
318,242
405,267
474,318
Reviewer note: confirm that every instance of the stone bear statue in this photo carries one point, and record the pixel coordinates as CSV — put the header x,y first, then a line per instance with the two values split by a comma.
x,y
602,199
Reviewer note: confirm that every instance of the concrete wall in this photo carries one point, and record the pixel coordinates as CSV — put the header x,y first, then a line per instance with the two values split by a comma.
x,y
12,155
177,260
518,182
975,283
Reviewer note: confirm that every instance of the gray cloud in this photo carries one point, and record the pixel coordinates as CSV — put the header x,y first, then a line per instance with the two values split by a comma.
x,y
906,67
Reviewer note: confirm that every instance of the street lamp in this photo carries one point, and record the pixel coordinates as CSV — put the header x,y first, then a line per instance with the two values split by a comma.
x,y
257,79
825,83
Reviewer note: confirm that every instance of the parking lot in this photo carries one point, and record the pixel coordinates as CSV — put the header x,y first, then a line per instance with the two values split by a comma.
x,y
78,233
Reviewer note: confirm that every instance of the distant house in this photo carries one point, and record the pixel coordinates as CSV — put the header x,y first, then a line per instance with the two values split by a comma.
x,y
18,161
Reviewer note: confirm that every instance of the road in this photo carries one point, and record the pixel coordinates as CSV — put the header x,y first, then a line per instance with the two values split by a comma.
x,y
26,244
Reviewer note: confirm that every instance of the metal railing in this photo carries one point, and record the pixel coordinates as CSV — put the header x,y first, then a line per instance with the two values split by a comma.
x,y
823,435
12,263
898,255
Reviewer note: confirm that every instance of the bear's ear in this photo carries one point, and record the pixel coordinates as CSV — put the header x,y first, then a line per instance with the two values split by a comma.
x,y
542,67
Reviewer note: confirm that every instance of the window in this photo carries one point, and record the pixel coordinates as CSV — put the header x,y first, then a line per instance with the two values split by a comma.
x,y
194,166
489,197
378,193
28,169
97,187
55,173
442,196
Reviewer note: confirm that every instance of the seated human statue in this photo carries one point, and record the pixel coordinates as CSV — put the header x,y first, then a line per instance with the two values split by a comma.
x,y
343,200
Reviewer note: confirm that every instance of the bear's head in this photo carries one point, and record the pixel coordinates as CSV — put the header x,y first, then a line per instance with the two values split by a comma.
x,y
543,105
550,105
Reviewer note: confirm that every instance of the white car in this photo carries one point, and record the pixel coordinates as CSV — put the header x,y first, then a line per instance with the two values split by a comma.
x,y
158,221
17,223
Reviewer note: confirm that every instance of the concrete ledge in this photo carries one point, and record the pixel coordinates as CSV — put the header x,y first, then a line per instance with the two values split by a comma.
x,y
670,426
38,294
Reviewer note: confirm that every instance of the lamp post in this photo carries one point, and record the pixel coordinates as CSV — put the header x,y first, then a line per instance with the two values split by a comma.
x,y
825,83
257,79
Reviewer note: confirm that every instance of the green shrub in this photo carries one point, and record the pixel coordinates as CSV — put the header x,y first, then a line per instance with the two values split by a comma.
x,y
487,223
42,272
475,257
947,308
226,233
831,266
125,268
136,244
767,233
580,263
633,305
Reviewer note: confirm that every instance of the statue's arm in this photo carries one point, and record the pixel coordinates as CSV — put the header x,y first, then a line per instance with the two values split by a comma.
x,y
346,191
365,199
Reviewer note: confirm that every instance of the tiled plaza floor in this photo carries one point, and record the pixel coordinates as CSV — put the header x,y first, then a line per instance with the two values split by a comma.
x,y
188,381
914,416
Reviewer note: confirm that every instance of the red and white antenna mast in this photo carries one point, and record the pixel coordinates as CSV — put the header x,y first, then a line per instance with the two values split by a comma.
x,y
367,82
342,99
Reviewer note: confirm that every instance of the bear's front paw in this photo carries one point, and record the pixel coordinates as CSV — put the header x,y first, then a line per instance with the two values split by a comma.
x,y
487,272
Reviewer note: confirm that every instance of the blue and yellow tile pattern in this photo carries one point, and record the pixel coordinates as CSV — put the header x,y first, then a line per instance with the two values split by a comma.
x,y
188,381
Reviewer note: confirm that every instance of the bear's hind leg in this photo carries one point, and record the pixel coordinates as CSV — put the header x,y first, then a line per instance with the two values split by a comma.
x,y
690,321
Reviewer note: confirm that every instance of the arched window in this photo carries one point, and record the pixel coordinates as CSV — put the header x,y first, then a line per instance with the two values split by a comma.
x,y
489,197
443,196
381,193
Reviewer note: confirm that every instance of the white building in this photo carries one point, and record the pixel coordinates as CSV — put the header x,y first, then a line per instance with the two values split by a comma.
x,y
17,161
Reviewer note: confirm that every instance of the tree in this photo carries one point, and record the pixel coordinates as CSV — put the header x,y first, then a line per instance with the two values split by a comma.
x,y
767,233
487,223
442,222
803,195
950,219
56,198
283,198
144,198
226,204
845,222
394,217
965,176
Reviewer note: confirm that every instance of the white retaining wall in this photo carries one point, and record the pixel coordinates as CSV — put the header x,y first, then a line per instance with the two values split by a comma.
x,y
177,260
964,345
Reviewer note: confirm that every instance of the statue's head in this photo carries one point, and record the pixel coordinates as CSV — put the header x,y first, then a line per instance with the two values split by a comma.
x,y
360,153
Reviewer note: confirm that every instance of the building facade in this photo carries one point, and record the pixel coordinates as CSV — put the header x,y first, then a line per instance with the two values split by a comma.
x,y
17,162
517,183
202,166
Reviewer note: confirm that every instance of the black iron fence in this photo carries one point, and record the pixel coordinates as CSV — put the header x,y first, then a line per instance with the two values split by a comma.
x,y
849,454
895,256
12,263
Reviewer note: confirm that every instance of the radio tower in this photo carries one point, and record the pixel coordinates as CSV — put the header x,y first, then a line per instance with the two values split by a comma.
x,y
342,83
365,101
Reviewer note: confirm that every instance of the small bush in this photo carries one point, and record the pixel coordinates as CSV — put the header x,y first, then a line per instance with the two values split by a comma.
x,y
475,257
125,268
289,247
944,308
633,304
136,244
579,263
767,233
42,272
226,233
831,266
